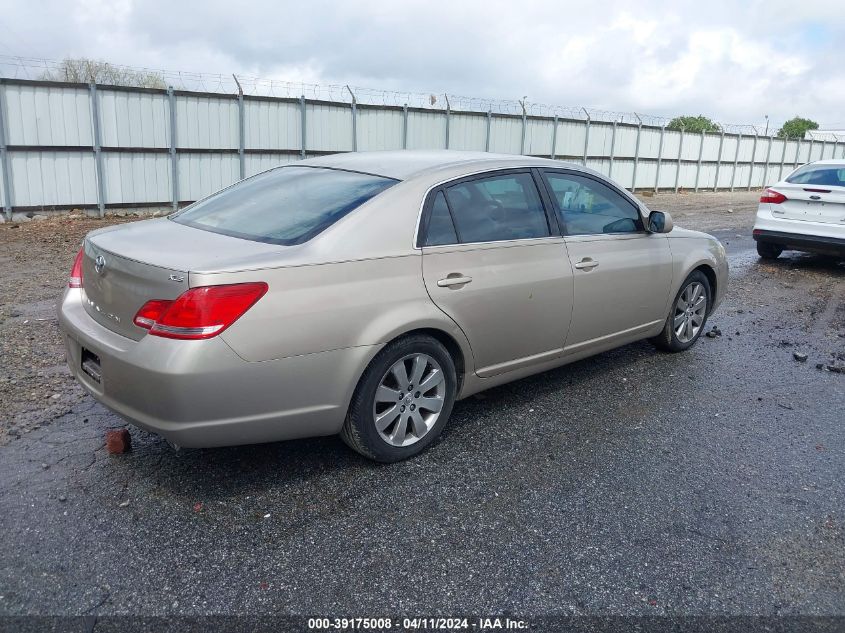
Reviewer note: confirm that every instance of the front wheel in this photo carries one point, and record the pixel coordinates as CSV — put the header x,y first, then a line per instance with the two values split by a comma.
x,y
403,400
688,315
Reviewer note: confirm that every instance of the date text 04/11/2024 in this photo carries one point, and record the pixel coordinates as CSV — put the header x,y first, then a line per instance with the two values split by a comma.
x,y
414,623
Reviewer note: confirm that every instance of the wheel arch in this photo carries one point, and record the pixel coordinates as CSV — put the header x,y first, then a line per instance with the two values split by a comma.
x,y
712,279
449,342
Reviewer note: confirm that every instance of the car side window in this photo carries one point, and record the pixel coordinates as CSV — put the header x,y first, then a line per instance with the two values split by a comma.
x,y
441,230
505,207
587,207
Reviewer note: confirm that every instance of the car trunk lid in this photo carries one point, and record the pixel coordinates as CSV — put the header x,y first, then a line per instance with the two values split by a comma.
x,y
124,266
115,288
811,203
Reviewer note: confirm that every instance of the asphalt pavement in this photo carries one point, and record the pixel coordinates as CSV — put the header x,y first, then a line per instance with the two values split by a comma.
x,y
710,482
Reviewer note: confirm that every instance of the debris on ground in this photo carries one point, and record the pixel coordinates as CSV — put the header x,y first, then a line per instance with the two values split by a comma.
x,y
118,441
801,357
714,332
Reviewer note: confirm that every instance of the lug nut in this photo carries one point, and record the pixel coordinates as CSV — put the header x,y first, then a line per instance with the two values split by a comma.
x,y
413,407
402,409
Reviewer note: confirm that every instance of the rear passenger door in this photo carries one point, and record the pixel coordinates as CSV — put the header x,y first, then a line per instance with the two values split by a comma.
x,y
494,262
622,274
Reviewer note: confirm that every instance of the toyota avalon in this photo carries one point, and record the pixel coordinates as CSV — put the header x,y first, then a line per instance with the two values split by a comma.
x,y
362,294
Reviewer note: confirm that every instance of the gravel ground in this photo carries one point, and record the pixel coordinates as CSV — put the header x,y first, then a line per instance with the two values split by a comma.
x,y
35,259
634,483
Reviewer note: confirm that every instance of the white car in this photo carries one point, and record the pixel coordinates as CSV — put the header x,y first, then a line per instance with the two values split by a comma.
x,y
804,212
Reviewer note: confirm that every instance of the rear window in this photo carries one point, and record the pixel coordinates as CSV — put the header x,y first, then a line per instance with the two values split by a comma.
x,y
830,175
287,205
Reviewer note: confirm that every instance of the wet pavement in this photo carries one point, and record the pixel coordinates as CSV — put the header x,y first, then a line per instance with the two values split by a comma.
x,y
635,483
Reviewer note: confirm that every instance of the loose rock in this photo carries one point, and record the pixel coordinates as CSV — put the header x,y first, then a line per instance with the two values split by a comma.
x,y
801,357
118,441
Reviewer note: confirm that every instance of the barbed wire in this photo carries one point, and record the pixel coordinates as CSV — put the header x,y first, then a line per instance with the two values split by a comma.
x,y
33,68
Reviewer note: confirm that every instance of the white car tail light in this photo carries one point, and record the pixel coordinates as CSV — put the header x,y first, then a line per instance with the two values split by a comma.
x,y
773,197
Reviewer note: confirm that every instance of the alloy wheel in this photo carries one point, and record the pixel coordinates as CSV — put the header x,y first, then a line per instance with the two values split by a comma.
x,y
409,399
690,311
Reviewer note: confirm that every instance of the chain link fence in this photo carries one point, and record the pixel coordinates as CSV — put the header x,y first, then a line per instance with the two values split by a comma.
x,y
45,69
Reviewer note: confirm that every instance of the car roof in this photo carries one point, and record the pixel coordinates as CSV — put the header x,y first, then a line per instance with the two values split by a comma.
x,y
829,161
407,164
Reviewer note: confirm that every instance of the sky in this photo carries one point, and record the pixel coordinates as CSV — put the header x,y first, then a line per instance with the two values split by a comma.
x,y
735,62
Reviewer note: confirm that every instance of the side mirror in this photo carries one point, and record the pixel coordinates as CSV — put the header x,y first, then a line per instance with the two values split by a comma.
x,y
659,222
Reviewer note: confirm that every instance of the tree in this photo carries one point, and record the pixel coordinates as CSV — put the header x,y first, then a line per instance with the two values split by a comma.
x,y
694,124
87,71
797,127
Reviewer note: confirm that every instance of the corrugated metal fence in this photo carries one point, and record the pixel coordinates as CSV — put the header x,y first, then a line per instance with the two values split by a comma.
x,y
68,146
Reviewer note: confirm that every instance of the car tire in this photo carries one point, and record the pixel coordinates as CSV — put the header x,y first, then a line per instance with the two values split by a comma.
x,y
414,425
769,251
669,340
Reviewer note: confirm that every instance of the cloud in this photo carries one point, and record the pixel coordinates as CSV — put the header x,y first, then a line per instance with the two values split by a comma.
x,y
735,62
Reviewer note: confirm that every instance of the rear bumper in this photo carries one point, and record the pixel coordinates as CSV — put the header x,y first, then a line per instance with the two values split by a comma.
x,y
202,394
799,235
798,242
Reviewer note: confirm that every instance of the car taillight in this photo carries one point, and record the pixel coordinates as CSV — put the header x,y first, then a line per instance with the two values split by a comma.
x,y
201,312
773,197
75,279
151,312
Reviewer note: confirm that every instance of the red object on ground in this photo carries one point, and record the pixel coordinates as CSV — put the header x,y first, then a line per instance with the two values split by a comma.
x,y
118,441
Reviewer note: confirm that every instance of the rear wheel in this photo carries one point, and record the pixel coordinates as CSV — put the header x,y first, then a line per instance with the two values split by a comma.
x,y
769,251
688,315
402,401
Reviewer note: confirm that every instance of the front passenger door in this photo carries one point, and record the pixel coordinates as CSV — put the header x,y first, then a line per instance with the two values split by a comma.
x,y
622,274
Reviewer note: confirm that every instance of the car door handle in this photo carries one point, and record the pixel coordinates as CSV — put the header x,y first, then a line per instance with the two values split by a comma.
x,y
454,280
586,264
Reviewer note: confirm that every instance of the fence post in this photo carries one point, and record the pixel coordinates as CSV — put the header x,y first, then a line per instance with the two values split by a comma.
x,y
174,165
241,129
782,158
522,140
586,136
489,123
636,152
719,161
303,143
354,120
736,159
678,166
554,138
98,157
810,151
698,168
798,153
768,156
753,156
4,158
659,159
448,117
612,150
824,144
405,126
